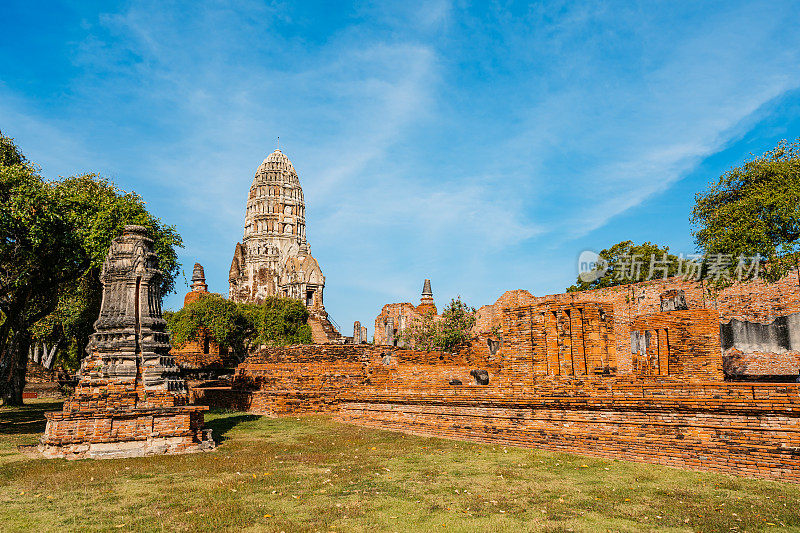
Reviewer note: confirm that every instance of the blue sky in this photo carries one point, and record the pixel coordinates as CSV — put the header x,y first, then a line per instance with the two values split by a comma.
x,y
481,145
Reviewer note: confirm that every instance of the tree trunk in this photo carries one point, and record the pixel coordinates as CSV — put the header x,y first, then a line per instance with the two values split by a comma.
x,y
13,364
49,357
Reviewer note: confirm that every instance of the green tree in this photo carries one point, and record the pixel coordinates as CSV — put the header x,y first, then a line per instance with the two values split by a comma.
x,y
98,211
279,321
54,237
38,253
626,262
222,318
240,326
451,332
754,209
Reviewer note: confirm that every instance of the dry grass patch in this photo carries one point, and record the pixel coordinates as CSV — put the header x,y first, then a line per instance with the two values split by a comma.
x,y
312,474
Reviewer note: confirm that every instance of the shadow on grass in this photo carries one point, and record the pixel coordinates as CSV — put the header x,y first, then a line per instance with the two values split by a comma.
x,y
223,424
25,418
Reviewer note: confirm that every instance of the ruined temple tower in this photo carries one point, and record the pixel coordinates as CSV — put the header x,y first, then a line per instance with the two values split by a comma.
x,y
199,285
273,258
426,304
396,317
130,400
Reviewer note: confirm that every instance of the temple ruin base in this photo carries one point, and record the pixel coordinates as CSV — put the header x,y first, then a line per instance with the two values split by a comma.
x,y
95,434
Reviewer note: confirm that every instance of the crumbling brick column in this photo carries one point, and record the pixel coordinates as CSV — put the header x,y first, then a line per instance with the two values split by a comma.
x,y
678,343
130,400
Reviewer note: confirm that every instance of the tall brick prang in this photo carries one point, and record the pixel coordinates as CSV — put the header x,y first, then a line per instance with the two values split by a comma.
x,y
274,258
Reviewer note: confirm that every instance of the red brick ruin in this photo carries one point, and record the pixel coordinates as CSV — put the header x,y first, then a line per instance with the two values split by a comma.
x,y
667,371
130,400
638,372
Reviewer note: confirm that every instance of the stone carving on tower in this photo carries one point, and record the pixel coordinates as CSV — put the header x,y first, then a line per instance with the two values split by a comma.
x,y
274,231
273,258
130,334
130,399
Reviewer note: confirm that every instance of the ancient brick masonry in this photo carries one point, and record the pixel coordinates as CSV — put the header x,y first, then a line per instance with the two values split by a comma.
x,y
673,410
554,340
203,352
555,384
752,302
684,343
312,378
395,318
751,430
129,400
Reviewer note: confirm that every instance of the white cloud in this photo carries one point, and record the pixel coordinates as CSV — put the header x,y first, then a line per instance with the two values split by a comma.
x,y
613,140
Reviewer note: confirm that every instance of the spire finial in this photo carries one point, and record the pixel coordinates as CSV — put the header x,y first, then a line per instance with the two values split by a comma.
x,y
279,142
426,288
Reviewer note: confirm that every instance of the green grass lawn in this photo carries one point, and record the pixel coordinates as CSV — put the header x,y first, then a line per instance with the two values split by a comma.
x,y
312,474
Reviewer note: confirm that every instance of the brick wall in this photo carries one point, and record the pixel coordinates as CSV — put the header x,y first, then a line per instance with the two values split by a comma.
x,y
756,301
101,434
402,315
554,339
751,431
488,317
677,343
333,368
737,363
121,418
200,353
551,385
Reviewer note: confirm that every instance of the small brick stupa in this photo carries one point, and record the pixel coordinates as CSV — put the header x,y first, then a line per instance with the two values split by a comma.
x,y
426,304
199,285
130,400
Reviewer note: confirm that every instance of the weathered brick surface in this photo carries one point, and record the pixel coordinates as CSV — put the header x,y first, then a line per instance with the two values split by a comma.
x,y
311,377
124,433
749,429
272,402
393,320
491,316
128,401
335,368
756,301
557,339
396,318
648,423
107,418
682,343
736,363
552,385
201,353
36,373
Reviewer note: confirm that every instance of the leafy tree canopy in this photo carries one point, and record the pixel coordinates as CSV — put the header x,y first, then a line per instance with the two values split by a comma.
x,y
449,333
277,321
626,262
97,212
754,209
38,253
54,236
